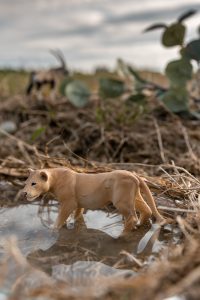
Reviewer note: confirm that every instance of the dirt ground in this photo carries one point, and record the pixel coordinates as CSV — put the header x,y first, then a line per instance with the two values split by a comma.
x,y
105,135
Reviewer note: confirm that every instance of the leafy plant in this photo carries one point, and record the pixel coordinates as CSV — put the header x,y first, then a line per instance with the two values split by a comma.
x,y
173,34
111,88
77,93
137,98
64,83
37,133
178,71
192,50
131,85
176,99
127,87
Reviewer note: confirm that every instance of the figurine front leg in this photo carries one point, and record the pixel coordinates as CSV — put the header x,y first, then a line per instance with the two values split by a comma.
x,y
65,211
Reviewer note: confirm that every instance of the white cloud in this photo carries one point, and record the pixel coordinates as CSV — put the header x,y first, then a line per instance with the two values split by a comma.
x,y
89,32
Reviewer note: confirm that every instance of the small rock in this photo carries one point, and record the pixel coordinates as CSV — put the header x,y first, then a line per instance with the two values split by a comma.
x,y
8,126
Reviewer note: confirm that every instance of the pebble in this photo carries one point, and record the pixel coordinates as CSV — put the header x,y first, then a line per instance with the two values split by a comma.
x,y
8,126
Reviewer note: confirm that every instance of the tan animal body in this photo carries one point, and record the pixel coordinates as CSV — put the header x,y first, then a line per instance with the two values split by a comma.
x,y
76,191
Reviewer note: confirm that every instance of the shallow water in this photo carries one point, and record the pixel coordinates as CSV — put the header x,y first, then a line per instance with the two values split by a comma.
x,y
23,222
97,240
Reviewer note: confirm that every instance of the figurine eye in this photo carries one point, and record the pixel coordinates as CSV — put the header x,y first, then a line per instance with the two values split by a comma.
x,y
33,183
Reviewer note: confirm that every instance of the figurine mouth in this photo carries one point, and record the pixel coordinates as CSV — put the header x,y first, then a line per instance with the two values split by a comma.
x,y
31,198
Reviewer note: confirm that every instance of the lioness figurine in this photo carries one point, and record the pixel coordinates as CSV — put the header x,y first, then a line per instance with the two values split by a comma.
x,y
77,191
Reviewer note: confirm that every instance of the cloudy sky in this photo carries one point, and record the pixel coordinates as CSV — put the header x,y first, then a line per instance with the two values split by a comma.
x,y
89,32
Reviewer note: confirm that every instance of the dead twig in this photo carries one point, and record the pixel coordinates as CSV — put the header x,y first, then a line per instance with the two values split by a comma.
x,y
175,209
24,144
131,258
187,141
159,138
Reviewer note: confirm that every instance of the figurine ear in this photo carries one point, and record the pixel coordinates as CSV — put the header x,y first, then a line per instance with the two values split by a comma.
x,y
30,170
43,175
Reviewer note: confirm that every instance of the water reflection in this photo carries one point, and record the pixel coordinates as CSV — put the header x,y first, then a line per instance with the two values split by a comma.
x,y
96,240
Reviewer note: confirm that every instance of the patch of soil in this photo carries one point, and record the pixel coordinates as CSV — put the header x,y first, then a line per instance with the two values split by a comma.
x,y
106,135
106,131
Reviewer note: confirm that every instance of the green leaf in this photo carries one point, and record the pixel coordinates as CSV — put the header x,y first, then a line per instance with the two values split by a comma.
x,y
136,75
176,100
100,115
173,35
179,71
63,85
155,26
77,93
186,15
37,133
192,50
137,98
111,88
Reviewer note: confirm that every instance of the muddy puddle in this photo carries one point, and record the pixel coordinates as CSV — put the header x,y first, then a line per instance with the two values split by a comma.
x,y
96,240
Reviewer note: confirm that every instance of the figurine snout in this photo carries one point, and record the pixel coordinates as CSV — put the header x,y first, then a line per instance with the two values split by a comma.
x,y
24,193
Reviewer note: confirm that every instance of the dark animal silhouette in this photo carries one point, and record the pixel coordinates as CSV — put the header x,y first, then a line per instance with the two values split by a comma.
x,y
50,77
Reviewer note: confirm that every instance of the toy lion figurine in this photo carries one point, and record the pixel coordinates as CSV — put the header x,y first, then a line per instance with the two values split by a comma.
x,y
77,191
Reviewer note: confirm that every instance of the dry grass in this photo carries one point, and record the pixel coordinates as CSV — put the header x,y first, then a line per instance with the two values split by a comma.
x,y
101,137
